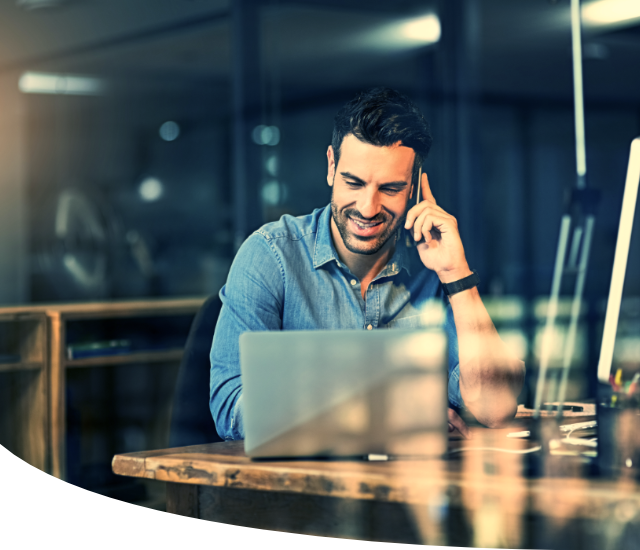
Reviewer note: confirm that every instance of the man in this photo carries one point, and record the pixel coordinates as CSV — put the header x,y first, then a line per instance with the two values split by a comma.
x,y
355,265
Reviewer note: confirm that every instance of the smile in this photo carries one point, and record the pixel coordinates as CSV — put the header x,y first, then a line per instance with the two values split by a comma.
x,y
365,225
365,229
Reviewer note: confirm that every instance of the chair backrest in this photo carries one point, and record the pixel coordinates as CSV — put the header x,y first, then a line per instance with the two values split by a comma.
x,y
191,420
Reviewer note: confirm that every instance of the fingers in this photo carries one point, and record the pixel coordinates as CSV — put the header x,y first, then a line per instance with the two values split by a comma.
x,y
431,220
426,217
415,211
459,424
427,195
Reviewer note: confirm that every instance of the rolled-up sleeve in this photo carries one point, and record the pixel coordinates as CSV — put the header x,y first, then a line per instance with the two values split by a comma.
x,y
252,300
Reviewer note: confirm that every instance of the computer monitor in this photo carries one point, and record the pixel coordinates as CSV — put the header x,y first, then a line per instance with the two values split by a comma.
x,y
620,263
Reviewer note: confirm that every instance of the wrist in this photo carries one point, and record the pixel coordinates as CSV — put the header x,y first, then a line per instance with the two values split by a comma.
x,y
449,276
460,285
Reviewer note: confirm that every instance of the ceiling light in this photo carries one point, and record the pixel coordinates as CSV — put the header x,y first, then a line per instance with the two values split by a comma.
x,y
400,34
50,83
423,29
608,12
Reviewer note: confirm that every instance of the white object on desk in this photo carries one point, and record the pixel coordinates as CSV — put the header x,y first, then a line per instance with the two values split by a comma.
x,y
569,428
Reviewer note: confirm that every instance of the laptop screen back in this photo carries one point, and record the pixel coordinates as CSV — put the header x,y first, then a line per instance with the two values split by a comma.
x,y
344,393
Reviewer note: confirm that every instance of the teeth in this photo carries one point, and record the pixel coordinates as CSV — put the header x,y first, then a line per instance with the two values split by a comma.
x,y
365,225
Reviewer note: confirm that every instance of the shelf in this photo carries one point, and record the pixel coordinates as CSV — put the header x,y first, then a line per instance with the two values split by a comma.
x,y
162,356
22,366
114,309
33,406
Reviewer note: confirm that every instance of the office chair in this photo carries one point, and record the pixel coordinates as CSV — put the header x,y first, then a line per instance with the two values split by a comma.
x,y
191,421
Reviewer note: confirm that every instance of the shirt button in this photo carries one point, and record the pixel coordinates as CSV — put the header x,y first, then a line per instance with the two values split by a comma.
x,y
369,327
353,282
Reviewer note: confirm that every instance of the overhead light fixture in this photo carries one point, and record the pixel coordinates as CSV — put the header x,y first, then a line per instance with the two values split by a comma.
x,y
611,12
401,34
51,83
424,29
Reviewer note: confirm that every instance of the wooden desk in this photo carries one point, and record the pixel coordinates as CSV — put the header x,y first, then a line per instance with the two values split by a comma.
x,y
476,498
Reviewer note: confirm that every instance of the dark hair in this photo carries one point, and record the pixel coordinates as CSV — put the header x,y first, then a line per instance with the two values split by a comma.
x,y
383,117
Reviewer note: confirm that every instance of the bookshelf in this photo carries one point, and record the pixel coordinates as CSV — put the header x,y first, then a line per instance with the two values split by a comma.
x,y
23,386
49,330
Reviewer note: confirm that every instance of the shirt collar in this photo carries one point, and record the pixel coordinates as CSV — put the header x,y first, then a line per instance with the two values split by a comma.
x,y
325,251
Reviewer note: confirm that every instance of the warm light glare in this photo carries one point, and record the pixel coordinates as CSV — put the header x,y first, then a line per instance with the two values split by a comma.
x,y
401,34
49,83
433,313
607,12
424,29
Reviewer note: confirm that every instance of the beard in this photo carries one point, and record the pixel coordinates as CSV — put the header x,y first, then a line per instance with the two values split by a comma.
x,y
364,245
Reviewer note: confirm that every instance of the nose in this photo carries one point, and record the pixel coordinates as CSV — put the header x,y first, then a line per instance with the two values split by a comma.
x,y
369,204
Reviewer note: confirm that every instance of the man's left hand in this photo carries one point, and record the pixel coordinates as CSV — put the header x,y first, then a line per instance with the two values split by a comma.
x,y
441,250
456,423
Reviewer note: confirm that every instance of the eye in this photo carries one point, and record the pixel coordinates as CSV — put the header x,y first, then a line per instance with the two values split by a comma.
x,y
390,190
353,184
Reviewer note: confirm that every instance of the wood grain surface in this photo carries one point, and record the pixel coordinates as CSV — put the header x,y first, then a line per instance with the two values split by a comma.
x,y
478,496
477,470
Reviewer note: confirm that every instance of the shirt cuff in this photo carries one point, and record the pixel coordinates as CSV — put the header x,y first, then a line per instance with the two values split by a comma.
x,y
455,398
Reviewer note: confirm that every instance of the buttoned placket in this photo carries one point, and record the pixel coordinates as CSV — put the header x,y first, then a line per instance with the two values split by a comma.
x,y
372,307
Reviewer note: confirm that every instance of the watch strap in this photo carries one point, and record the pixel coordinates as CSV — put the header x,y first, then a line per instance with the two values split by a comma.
x,y
461,284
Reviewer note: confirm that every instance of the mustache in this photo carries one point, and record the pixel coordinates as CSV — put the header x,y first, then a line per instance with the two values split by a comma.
x,y
355,214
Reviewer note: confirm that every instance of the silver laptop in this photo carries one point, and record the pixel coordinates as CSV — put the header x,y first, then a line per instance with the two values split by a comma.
x,y
344,393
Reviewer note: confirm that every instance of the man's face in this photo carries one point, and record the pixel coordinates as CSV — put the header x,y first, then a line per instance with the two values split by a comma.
x,y
371,188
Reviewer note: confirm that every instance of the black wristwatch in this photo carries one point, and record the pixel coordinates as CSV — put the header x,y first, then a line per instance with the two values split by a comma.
x,y
462,284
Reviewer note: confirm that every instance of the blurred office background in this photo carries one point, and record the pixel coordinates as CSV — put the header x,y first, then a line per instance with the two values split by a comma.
x,y
142,141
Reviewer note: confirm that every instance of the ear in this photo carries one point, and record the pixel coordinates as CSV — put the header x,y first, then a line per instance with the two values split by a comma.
x,y
331,169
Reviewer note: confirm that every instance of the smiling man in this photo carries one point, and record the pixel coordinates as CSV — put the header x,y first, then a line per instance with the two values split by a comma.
x,y
371,260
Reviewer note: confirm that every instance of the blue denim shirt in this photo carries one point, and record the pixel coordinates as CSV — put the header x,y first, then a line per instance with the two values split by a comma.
x,y
287,276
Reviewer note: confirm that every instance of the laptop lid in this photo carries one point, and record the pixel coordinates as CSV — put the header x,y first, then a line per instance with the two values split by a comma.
x,y
344,393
